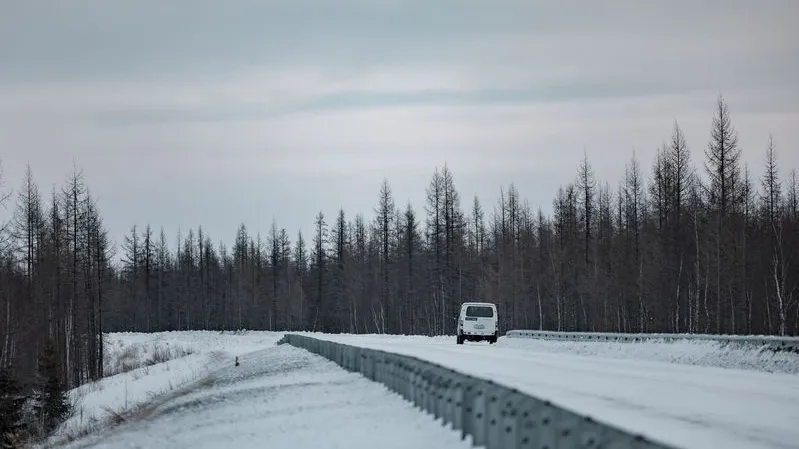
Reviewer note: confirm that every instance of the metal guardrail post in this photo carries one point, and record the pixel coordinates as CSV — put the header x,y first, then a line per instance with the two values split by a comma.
x,y
424,389
385,360
399,377
448,399
438,392
413,376
480,415
385,365
370,366
498,432
407,376
568,428
458,405
488,415
546,434
510,406
434,391
402,379
468,394
429,390
418,396
390,379
440,400
528,428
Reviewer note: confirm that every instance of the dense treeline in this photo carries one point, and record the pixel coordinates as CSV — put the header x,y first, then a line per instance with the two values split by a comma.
x,y
683,246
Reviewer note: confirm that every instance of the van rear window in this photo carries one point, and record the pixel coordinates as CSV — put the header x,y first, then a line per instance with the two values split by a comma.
x,y
480,311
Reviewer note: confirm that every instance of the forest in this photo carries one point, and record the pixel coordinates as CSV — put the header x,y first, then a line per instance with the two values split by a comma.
x,y
691,246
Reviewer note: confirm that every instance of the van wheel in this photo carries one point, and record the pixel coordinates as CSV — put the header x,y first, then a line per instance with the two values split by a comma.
x,y
492,340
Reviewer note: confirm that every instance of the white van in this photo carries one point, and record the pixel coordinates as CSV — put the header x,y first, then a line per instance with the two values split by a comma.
x,y
478,321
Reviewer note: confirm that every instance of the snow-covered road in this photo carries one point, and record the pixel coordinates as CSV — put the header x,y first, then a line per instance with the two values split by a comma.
x,y
687,406
282,397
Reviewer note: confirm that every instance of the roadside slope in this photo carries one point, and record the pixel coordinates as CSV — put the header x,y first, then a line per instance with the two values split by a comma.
x,y
141,367
282,397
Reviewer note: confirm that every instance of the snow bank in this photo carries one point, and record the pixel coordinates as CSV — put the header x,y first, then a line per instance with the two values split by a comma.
x,y
239,342
98,404
686,352
284,397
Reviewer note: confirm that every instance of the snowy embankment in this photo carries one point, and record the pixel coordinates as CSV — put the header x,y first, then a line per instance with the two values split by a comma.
x,y
282,397
140,367
684,352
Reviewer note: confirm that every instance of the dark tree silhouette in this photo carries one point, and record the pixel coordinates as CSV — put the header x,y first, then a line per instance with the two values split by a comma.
x,y
52,404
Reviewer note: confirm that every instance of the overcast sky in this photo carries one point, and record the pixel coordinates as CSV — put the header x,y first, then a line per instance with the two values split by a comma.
x,y
199,112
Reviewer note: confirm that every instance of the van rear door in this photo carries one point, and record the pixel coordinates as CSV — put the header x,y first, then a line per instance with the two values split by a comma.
x,y
479,320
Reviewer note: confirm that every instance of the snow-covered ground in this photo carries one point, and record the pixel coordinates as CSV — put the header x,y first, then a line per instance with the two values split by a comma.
x,y
233,342
687,352
100,403
685,405
282,397
692,394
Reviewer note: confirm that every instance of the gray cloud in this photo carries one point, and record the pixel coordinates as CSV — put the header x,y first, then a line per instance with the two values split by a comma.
x,y
101,38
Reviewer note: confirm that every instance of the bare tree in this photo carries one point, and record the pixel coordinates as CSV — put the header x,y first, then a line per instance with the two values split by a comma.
x,y
772,190
301,271
4,197
587,185
634,215
723,168
435,238
131,261
384,226
6,355
319,267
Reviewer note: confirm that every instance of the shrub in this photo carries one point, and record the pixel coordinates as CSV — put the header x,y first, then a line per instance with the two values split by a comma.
x,y
51,406
11,402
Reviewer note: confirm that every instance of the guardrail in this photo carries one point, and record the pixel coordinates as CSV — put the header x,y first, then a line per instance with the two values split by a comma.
x,y
493,415
771,342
